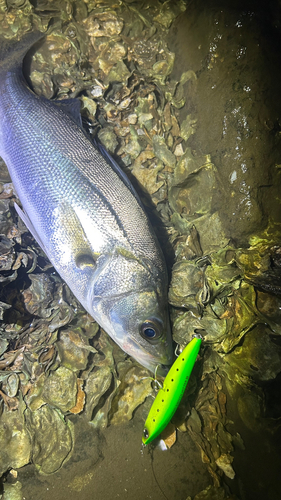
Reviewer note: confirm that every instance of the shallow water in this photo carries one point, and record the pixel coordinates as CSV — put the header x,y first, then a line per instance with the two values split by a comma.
x,y
111,463
235,53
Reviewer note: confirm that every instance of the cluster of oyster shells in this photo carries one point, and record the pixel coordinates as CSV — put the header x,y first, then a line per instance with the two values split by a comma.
x,y
54,360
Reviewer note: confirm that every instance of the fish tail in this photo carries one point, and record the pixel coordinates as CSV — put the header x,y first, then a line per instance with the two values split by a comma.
x,y
12,51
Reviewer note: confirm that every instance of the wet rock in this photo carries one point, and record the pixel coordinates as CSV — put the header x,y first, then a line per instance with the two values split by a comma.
x,y
60,389
124,73
224,462
188,127
213,493
15,439
74,349
250,406
133,390
133,147
3,308
11,385
108,139
51,438
39,295
213,236
168,13
191,186
187,281
148,178
162,152
98,383
7,254
101,384
258,357
13,491
118,73
80,398
102,25
212,328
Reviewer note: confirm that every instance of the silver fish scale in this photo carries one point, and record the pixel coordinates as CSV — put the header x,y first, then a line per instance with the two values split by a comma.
x,y
85,215
69,169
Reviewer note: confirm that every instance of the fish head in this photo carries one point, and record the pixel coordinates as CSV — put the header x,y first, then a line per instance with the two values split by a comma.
x,y
129,300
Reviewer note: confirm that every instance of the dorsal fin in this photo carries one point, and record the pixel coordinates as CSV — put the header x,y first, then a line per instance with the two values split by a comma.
x,y
71,107
117,169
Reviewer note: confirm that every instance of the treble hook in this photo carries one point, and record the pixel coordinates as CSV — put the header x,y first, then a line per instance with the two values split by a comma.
x,y
156,385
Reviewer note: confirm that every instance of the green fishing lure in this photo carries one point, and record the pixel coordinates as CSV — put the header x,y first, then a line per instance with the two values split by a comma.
x,y
169,397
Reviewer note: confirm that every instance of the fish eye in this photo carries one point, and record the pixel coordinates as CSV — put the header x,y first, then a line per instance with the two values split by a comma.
x,y
151,330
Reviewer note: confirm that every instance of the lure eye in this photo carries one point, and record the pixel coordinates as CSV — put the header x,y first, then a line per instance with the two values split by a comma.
x,y
145,433
151,330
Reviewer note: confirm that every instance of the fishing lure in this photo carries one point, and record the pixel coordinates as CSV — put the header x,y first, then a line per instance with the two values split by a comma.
x,y
169,397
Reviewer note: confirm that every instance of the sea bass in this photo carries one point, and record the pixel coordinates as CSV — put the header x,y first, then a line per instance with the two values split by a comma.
x,y
85,214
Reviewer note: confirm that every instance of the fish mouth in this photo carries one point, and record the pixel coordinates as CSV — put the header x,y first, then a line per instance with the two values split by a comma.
x,y
158,369
154,364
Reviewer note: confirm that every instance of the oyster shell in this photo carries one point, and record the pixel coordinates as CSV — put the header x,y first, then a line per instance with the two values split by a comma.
x,y
52,439
15,439
53,360
132,392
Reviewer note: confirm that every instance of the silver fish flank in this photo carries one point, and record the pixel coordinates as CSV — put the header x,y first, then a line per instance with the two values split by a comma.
x,y
85,214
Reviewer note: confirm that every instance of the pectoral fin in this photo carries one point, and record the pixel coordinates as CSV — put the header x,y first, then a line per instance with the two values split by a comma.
x,y
70,231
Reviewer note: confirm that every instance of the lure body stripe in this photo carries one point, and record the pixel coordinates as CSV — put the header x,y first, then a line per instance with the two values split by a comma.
x,y
169,397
